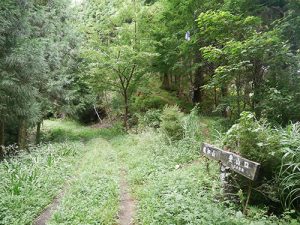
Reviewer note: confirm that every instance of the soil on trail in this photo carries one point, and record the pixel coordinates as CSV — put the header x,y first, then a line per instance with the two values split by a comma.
x,y
127,207
47,213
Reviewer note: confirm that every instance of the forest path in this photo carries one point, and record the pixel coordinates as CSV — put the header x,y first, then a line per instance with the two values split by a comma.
x,y
98,190
127,207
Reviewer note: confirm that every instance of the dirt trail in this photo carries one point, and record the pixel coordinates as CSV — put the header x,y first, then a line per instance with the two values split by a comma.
x,y
47,213
127,207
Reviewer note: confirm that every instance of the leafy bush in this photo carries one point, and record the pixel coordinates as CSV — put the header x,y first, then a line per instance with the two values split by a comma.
x,y
279,107
257,141
278,151
150,119
171,124
147,102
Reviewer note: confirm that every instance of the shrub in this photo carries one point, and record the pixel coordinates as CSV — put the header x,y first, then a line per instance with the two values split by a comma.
x,y
257,141
145,103
280,107
191,125
171,124
150,119
278,151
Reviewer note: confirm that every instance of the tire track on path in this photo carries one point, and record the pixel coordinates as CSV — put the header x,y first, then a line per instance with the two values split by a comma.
x,y
45,216
127,204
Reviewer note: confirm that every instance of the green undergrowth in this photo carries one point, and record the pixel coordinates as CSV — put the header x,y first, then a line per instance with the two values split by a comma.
x,y
212,128
92,197
30,181
71,155
62,130
168,178
172,186
152,96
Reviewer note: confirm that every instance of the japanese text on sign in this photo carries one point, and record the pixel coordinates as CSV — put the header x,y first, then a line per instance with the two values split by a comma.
x,y
235,162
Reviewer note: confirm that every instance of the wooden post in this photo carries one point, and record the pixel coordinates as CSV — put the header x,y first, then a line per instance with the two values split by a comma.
x,y
224,177
234,162
248,198
207,166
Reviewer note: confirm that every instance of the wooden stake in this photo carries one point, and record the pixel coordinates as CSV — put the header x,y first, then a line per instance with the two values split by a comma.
x,y
248,198
207,166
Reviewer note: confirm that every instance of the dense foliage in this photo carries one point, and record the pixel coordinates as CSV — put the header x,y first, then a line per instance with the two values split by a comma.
x,y
148,63
37,64
227,56
276,150
173,186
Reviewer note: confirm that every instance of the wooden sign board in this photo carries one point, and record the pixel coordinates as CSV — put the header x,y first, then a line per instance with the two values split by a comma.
x,y
235,162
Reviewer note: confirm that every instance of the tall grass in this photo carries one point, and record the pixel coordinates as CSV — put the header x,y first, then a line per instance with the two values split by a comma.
x,y
289,176
30,181
170,180
173,189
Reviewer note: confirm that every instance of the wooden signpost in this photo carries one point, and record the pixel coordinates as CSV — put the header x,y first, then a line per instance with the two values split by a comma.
x,y
238,164
235,162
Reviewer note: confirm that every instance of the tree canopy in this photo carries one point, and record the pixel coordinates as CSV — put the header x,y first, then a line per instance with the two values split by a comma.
x,y
63,58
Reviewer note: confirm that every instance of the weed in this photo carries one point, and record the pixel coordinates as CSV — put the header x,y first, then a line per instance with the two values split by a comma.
x,y
31,180
171,188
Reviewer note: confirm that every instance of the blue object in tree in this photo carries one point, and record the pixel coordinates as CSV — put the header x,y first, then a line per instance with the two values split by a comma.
x,y
188,36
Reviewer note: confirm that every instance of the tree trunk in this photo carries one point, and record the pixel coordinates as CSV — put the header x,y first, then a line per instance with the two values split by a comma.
x,y
22,135
96,111
178,85
224,91
215,97
166,82
257,87
38,133
238,92
126,115
2,140
198,81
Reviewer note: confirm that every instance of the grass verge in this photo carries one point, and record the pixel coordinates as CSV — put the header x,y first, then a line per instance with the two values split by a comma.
x,y
30,181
